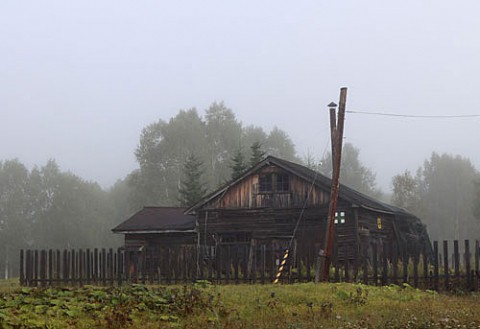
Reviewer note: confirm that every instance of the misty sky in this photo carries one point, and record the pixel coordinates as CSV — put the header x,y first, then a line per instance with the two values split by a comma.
x,y
80,79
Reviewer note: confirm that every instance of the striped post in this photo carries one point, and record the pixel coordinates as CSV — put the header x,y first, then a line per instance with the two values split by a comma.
x,y
280,269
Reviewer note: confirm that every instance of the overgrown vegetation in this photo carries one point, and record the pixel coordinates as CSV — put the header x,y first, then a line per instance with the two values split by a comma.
x,y
203,305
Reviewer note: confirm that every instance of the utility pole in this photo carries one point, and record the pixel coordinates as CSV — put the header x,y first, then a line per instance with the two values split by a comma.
x,y
336,133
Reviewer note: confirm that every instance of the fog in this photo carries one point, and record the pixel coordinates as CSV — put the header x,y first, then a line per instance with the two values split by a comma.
x,y
80,80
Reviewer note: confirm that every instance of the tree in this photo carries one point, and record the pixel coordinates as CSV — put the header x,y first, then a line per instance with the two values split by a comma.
x,y
15,212
352,172
476,203
257,154
280,145
406,192
238,164
164,146
223,133
447,193
160,154
191,187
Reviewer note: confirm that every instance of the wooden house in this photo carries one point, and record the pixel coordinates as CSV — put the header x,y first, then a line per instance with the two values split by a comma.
x,y
279,204
158,226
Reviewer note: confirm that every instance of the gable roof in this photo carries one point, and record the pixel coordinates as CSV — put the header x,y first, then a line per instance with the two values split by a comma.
x,y
321,181
157,220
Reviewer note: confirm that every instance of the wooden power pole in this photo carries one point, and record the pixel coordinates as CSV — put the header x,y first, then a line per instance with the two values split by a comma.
x,y
336,132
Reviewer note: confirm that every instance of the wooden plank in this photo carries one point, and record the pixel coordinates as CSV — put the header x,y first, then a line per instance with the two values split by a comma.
x,y
365,268
308,266
384,264
235,264
185,264
168,269
254,264
394,257
435,266
103,266
245,273
50,267
58,267
446,274
65,264
81,264
405,260
151,266
95,272
456,257
336,263
43,268
88,266
120,267
111,272
468,275
22,268
415,266
375,264
477,257
477,264
35,268
263,263
273,266
425,267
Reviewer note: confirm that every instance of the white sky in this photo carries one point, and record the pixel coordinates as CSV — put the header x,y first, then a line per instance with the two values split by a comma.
x,y
80,79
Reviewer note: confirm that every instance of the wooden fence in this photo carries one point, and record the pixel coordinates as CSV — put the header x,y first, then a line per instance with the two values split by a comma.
x,y
441,268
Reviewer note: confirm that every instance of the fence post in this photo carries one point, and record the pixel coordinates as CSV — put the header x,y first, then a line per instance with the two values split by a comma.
x,y
95,266
35,269
22,277
120,267
456,257
445,265
405,264
112,268
104,267
384,265
375,263
81,264
365,267
58,266
416,255
477,256
50,267
467,265
435,270
425,267
346,264
336,263
88,265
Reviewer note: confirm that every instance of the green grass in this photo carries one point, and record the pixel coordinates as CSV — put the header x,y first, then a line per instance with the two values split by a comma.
x,y
203,305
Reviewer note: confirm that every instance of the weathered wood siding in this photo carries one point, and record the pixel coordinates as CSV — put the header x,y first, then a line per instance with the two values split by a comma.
x,y
135,241
246,194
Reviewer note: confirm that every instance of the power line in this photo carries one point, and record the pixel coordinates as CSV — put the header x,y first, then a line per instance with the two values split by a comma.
x,y
417,116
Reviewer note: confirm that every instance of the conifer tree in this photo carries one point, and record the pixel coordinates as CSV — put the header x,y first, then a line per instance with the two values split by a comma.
x,y
238,164
257,154
191,187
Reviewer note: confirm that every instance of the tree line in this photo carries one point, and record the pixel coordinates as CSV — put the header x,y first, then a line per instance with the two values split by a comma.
x,y
190,155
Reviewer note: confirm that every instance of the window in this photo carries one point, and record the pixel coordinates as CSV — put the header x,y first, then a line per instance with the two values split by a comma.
x,y
273,183
282,183
379,223
339,217
266,183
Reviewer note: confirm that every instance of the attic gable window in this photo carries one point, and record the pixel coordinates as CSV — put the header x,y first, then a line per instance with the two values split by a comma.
x,y
283,183
265,183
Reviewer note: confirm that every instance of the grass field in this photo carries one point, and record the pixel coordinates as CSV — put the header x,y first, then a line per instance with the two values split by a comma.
x,y
203,305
